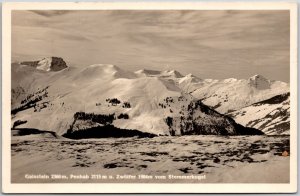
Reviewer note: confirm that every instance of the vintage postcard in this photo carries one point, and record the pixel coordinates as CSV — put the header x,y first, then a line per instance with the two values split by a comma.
x,y
149,97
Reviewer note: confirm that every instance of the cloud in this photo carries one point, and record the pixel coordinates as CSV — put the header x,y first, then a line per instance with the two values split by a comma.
x,y
210,44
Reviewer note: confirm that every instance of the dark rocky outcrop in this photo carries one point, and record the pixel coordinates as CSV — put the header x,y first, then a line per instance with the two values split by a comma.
x,y
105,131
58,64
29,131
202,120
90,125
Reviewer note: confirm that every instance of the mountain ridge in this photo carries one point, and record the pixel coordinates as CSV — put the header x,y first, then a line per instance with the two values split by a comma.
x,y
138,103
272,120
68,91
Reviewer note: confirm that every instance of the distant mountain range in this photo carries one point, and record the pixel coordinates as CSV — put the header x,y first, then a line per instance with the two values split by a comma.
x,y
238,98
107,101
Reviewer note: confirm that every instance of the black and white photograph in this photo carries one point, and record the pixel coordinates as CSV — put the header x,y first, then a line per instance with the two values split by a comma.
x,y
155,96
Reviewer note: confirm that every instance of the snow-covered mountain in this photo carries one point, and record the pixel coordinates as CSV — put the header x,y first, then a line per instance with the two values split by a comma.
x,y
232,94
169,74
79,101
225,95
272,116
47,64
235,97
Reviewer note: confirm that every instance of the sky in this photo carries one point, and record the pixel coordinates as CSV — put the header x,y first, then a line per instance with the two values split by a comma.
x,y
208,44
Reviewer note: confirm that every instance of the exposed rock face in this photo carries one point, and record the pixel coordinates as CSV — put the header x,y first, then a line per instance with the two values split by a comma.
x,y
47,64
200,119
90,125
58,64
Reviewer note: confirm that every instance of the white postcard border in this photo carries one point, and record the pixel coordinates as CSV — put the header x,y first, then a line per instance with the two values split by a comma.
x,y
9,187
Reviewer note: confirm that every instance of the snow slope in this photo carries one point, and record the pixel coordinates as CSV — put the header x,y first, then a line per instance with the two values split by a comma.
x,y
54,100
272,116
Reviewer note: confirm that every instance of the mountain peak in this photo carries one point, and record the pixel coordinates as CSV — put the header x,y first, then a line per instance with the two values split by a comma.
x,y
106,70
190,78
257,77
259,82
47,64
172,73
